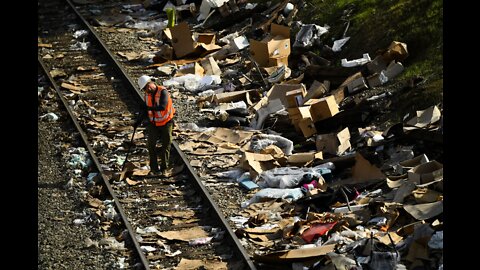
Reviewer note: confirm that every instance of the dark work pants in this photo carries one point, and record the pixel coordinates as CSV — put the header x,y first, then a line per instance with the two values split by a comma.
x,y
164,135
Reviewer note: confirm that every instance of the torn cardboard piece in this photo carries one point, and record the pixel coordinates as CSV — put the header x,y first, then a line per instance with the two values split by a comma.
x,y
426,172
184,235
424,211
256,163
291,255
300,159
363,170
426,117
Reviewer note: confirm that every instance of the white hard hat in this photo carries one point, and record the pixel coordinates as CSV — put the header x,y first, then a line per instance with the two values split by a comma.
x,y
143,80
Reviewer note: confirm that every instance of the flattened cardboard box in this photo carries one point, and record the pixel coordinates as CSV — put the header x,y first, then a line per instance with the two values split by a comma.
x,y
325,107
426,172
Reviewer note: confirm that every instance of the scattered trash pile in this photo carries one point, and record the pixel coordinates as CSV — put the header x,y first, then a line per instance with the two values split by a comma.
x,y
328,188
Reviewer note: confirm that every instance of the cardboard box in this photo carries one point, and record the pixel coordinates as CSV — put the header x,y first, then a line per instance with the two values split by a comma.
x,y
339,94
426,172
299,112
182,40
277,61
333,143
325,107
377,79
307,127
276,45
356,85
316,90
184,44
394,69
295,98
396,51
279,91
377,65
192,68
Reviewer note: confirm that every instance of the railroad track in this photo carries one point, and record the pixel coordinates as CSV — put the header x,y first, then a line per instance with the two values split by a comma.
x,y
170,220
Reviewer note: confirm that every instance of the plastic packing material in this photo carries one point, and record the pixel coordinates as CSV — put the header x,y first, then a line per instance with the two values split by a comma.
x,y
292,194
285,177
383,260
309,35
148,25
357,62
193,82
194,127
200,241
338,44
244,177
80,33
288,8
342,262
80,46
50,117
260,141
147,248
233,174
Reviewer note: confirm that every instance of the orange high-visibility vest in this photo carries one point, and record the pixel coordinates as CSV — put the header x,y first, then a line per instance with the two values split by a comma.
x,y
160,118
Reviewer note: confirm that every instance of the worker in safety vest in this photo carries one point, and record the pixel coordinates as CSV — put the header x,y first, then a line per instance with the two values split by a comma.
x,y
160,111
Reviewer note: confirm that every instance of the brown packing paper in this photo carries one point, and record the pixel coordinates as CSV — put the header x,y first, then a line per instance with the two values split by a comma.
x,y
175,213
184,235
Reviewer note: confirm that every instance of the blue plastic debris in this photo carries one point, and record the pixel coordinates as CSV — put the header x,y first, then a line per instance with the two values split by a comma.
x,y
248,184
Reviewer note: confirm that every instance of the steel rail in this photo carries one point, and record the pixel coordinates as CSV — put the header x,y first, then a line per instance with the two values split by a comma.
x,y
99,168
218,214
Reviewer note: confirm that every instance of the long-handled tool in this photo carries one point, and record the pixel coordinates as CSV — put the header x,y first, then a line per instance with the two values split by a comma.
x,y
129,147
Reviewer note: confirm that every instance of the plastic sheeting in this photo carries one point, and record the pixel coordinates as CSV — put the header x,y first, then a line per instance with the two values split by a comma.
x,y
292,194
309,35
260,141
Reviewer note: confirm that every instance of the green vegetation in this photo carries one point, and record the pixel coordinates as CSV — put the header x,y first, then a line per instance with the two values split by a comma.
x,y
374,24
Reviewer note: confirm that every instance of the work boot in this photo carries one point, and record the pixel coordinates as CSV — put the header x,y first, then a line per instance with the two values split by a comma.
x,y
154,172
